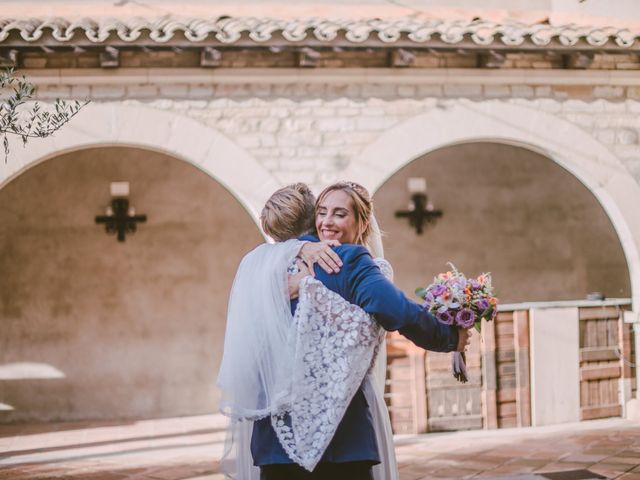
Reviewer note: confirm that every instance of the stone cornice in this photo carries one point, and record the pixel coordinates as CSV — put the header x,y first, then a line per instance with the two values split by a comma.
x,y
409,76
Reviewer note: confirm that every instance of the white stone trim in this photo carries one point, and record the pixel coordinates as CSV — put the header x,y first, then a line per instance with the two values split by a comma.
x,y
493,121
253,76
609,302
115,124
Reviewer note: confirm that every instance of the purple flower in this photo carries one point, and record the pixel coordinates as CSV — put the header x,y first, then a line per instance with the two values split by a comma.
x,y
475,285
437,290
482,304
446,317
465,318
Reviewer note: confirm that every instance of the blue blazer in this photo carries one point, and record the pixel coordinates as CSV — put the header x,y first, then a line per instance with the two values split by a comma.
x,y
361,282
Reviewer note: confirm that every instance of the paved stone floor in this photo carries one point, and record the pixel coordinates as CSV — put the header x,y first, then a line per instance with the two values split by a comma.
x,y
189,447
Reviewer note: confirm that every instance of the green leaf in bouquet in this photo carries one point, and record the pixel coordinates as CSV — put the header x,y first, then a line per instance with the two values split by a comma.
x,y
477,325
487,313
421,292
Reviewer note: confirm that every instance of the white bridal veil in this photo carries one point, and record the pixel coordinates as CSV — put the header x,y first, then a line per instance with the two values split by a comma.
x,y
255,373
271,367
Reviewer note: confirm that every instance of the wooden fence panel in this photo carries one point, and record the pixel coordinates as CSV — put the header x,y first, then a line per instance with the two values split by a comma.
x,y
605,362
452,405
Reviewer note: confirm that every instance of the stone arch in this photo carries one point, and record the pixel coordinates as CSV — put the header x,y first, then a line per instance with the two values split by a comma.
x,y
102,329
157,130
575,150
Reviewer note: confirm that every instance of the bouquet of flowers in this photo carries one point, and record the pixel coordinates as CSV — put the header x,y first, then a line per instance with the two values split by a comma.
x,y
456,300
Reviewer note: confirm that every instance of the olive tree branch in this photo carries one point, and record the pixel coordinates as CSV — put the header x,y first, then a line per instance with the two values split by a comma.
x,y
34,122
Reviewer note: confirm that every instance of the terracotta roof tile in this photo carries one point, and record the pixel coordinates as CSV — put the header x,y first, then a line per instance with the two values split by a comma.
x,y
229,30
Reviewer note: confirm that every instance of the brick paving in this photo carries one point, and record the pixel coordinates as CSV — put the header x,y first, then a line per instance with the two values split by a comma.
x,y
188,448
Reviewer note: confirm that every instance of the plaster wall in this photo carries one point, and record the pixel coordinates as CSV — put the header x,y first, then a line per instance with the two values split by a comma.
x,y
93,328
510,211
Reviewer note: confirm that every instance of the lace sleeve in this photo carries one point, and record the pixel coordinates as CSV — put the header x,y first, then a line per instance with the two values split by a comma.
x,y
335,345
385,267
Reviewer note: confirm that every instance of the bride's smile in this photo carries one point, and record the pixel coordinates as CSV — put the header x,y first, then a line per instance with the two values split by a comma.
x,y
335,218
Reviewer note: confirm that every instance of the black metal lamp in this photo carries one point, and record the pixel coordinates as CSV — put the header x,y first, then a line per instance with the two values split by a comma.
x,y
120,218
421,210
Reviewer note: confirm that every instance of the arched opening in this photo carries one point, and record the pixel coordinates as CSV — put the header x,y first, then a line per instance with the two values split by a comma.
x,y
133,329
544,236
540,231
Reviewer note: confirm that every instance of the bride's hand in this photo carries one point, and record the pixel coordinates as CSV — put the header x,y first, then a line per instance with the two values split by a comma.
x,y
464,338
294,280
322,254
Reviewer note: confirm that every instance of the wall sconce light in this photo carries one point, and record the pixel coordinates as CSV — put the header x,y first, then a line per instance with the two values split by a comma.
x,y
119,217
421,210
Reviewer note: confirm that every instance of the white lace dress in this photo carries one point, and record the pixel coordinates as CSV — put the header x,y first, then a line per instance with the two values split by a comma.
x,y
336,346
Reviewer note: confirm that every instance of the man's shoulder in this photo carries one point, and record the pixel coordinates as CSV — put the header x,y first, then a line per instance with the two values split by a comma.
x,y
354,257
351,249
347,251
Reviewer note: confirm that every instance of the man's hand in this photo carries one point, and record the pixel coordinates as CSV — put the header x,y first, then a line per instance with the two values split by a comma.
x,y
464,337
322,254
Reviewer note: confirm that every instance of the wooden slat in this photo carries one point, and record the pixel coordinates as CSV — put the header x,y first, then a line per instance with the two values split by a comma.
x,y
467,422
523,382
504,329
612,332
597,372
419,390
594,313
625,341
507,382
598,354
507,395
489,384
590,413
507,369
612,395
505,343
508,422
507,409
506,356
603,333
504,317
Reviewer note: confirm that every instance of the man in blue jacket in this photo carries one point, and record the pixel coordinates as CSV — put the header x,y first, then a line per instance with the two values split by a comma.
x,y
353,449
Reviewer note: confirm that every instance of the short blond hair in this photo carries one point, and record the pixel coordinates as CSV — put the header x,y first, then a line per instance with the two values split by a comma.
x,y
289,213
362,207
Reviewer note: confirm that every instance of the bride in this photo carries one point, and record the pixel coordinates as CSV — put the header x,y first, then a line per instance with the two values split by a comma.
x,y
303,386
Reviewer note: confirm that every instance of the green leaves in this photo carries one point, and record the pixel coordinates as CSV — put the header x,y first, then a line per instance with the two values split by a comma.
x,y
421,292
17,119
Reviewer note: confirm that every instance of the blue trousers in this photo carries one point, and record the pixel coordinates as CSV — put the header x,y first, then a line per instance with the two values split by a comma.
x,y
324,471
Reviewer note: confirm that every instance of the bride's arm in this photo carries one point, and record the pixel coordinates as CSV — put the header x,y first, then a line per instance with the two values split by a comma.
x,y
322,254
